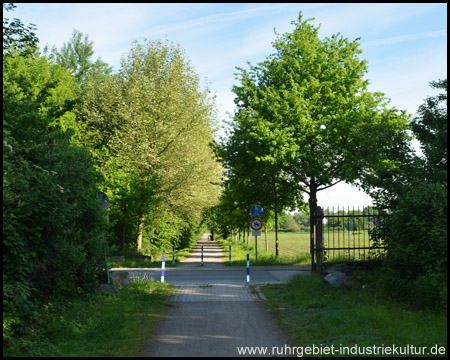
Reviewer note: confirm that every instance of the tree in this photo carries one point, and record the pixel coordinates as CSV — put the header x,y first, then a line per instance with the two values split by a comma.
x,y
308,104
253,181
430,128
291,224
52,220
416,245
75,56
302,218
17,36
149,128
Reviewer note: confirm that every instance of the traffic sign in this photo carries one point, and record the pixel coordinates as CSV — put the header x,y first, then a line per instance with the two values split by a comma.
x,y
256,224
256,211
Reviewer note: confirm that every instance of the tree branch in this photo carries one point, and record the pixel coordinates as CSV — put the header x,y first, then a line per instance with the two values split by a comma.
x,y
171,141
326,187
301,178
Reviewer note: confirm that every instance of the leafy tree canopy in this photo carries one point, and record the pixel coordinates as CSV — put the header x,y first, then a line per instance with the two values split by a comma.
x,y
149,128
17,36
307,112
75,56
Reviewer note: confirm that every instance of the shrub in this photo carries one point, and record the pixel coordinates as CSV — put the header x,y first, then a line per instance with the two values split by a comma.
x,y
415,235
52,220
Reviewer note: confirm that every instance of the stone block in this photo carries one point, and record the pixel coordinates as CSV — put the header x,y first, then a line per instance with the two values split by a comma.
x,y
336,279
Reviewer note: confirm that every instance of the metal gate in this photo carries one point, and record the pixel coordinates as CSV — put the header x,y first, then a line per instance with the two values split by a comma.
x,y
344,234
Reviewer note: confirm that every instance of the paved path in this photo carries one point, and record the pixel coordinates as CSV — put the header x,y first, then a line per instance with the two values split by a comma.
x,y
214,311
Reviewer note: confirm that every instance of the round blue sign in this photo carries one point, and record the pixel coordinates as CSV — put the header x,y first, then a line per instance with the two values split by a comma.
x,y
256,211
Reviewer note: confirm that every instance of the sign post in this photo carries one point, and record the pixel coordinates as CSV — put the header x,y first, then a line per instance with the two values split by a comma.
x,y
256,248
256,225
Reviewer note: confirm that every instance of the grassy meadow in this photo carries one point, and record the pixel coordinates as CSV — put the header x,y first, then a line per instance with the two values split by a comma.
x,y
296,245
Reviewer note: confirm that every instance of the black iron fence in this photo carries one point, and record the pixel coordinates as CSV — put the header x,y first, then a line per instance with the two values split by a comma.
x,y
345,234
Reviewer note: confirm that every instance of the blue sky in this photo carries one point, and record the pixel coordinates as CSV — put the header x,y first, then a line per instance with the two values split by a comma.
x,y
405,44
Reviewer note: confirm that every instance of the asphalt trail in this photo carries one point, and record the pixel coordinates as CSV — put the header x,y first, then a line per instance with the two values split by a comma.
x,y
214,313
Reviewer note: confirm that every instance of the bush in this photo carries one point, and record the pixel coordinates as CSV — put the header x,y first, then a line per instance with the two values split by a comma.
x,y
18,310
413,197
415,235
52,220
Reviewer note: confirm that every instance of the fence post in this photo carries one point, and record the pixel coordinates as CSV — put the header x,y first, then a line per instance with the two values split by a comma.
x,y
248,269
163,266
319,239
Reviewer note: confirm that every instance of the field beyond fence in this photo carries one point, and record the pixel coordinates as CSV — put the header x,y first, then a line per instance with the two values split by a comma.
x,y
293,244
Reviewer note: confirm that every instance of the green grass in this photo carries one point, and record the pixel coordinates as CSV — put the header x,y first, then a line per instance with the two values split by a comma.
x,y
295,244
240,250
97,324
314,313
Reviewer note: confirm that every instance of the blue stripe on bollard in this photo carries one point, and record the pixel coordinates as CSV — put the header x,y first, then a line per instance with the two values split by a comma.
x,y
202,255
163,267
248,269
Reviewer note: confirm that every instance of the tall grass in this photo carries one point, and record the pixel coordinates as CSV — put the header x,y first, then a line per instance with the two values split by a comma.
x,y
97,325
314,313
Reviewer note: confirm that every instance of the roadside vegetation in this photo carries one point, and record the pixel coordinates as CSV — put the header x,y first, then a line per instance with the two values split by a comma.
x,y
363,313
74,131
96,325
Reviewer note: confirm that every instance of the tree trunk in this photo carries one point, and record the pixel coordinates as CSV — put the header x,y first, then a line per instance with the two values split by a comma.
x,y
276,219
265,238
140,231
312,218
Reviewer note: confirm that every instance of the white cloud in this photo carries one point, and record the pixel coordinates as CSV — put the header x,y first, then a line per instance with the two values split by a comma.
x,y
366,19
228,17
398,39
